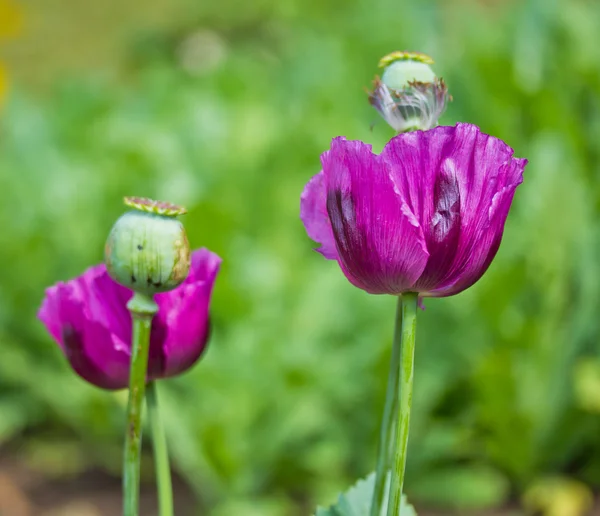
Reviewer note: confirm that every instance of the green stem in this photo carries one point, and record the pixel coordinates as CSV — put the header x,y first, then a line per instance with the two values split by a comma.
x,y
388,423
161,453
404,393
142,310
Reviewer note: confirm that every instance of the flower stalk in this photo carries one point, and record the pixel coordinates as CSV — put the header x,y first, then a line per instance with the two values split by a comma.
x,y
161,453
404,393
142,308
388,423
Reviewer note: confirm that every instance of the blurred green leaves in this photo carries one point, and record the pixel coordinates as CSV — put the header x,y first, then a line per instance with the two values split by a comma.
x,y
357,501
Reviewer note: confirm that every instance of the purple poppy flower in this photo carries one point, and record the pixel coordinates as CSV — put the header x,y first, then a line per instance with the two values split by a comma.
x,y
88,318
426,215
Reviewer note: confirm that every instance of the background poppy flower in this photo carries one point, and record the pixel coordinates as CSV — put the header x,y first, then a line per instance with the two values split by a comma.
x,y
88,318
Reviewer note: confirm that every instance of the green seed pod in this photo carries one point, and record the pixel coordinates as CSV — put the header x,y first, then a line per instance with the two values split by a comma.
x,y
403,68
409,96
147,249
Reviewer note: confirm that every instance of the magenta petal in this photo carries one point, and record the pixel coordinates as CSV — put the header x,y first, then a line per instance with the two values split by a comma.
x,y
92,350
204,267
49,312
428,180
313,213
488,176
450,177
88,346
96,357
484,246
180,329
178,343
107,303
379,240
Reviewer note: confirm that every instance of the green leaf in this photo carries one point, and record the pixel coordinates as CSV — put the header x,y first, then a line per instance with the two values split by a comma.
x,y
357,501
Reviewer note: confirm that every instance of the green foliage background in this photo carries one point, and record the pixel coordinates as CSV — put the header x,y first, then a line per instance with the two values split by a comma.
x,y
225,107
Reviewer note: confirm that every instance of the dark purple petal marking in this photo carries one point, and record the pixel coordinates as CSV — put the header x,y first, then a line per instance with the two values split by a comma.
x,y
444,228
378,239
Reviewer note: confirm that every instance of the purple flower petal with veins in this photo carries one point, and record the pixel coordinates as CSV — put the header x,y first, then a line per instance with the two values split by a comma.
x,y
426,215
88,318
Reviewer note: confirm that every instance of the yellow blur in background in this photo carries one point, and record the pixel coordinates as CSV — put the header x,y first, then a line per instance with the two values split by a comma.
x,y
10,26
